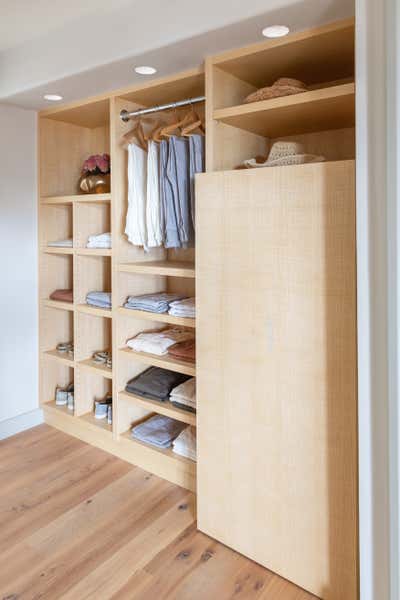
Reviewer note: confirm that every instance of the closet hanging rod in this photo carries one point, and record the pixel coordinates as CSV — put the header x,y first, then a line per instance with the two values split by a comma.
x,y
125,115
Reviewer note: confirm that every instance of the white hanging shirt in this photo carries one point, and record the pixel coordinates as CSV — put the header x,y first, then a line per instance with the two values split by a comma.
x,y
135,227
153,209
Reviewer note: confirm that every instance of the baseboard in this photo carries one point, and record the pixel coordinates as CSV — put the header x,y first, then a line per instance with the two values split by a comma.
x,y
20,423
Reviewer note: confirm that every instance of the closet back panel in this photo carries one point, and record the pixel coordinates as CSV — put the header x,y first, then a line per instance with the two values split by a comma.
x,y
276,370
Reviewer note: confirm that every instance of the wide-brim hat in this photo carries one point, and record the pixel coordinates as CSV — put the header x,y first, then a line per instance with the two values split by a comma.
x,y
284,153
284,86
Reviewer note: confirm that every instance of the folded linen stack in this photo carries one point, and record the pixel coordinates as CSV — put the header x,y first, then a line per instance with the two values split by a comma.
x,y
61,243
183,308
158,342
101,240
159,431
156,303
185,351
184,395
185,443
155,383
99,299
62,295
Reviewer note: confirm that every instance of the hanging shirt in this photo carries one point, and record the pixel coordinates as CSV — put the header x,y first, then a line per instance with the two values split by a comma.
x,y
178,177
170,221
196,158
135,227
155,228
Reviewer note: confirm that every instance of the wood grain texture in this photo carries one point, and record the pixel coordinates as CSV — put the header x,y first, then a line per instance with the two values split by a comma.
x,y
276,370
79,524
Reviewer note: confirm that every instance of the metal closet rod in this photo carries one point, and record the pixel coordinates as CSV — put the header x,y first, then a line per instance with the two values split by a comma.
x,y
125,115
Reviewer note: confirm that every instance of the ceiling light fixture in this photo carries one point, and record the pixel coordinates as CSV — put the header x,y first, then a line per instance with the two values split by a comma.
x,y
275,31
145,70
53,97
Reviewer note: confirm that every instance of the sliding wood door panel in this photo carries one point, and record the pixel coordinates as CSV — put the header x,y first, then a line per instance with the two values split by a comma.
x,y
276,370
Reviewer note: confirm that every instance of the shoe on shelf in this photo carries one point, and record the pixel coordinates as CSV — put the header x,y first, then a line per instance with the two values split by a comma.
x,y
65,347
109,362
61,396
101,356
70,397
109,414
101,407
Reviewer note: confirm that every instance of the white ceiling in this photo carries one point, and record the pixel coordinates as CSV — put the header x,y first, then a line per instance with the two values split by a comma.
x,y
86,48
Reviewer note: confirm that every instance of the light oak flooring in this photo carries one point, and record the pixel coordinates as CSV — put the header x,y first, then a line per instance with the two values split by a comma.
x,y
78,523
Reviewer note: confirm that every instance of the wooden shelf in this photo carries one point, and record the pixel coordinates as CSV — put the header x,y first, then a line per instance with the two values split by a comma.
x,y
165,362
163,408
58,304
102,424
94,310
161,318
126,437
58,409
316,110
97,368
75,198
57,250
62,357
94,251
169,268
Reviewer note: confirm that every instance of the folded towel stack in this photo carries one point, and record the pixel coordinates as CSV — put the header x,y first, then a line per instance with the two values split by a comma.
x,y
158,342
101,240
99,299
159,431
156,303
185,443
62,295
61,243
185,351
155,383
183,308
184,395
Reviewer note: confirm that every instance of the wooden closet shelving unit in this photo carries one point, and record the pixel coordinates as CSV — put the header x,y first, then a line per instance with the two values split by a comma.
x,y
321,118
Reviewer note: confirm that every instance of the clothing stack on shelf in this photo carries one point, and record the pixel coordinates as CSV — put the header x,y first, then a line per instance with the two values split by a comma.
x,y
156,303
155,383
184,395
183,308
62,295
61,243
158,342
158,431
101,240
185,351
99,299
185,443
161,201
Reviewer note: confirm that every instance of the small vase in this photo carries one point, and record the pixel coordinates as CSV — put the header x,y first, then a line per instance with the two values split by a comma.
x,y
95,184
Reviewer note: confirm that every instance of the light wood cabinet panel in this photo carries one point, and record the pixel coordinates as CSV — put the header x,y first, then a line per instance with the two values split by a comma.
x,y
276,370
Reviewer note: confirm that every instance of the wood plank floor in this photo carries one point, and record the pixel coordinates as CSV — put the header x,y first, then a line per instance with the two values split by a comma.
x,y
77,523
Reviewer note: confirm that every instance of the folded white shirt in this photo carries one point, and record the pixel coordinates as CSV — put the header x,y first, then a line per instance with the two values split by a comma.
x,y
158,342
101,240
185,443
183,308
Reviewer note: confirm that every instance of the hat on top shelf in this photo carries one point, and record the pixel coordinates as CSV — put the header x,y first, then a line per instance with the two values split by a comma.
x,y
284,153
282,87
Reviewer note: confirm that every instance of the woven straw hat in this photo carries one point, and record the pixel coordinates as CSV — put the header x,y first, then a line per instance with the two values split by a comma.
x,y
284,153
282,87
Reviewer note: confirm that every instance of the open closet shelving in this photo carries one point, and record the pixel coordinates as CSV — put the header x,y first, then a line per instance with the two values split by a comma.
x,y
322,118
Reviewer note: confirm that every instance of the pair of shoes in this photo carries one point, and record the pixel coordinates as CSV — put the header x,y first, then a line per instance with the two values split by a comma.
x,y
101,407
65,396
64,347
102,356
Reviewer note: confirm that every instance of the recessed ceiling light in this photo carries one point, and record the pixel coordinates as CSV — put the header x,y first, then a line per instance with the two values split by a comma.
x,y
53,97
275,31
145,70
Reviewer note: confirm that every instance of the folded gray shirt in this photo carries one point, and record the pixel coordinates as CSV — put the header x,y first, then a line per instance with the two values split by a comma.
x,y
155,383
159,431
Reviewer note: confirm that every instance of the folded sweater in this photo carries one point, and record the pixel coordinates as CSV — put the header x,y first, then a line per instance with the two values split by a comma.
x,y
155,383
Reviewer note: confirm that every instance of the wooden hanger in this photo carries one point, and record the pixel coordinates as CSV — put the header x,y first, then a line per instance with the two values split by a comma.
x,y
170,130
195,127
136,136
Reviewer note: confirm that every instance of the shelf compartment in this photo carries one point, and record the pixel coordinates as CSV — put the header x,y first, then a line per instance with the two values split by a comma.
x,y
62,357
167,453
169,268
165,362
58,304
96,368
163,408
92,198
96,424
316,110
161,318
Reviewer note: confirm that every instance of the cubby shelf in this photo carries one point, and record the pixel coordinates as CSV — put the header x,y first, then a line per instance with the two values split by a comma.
x,y
75,198
163,408
63,410
58,304
165,362
96,424
169,268
94,251
167,453
98,369
160,317
94,310
315,110
58,250
60,357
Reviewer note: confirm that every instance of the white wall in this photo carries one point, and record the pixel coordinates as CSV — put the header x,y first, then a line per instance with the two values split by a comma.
x,y
18,248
